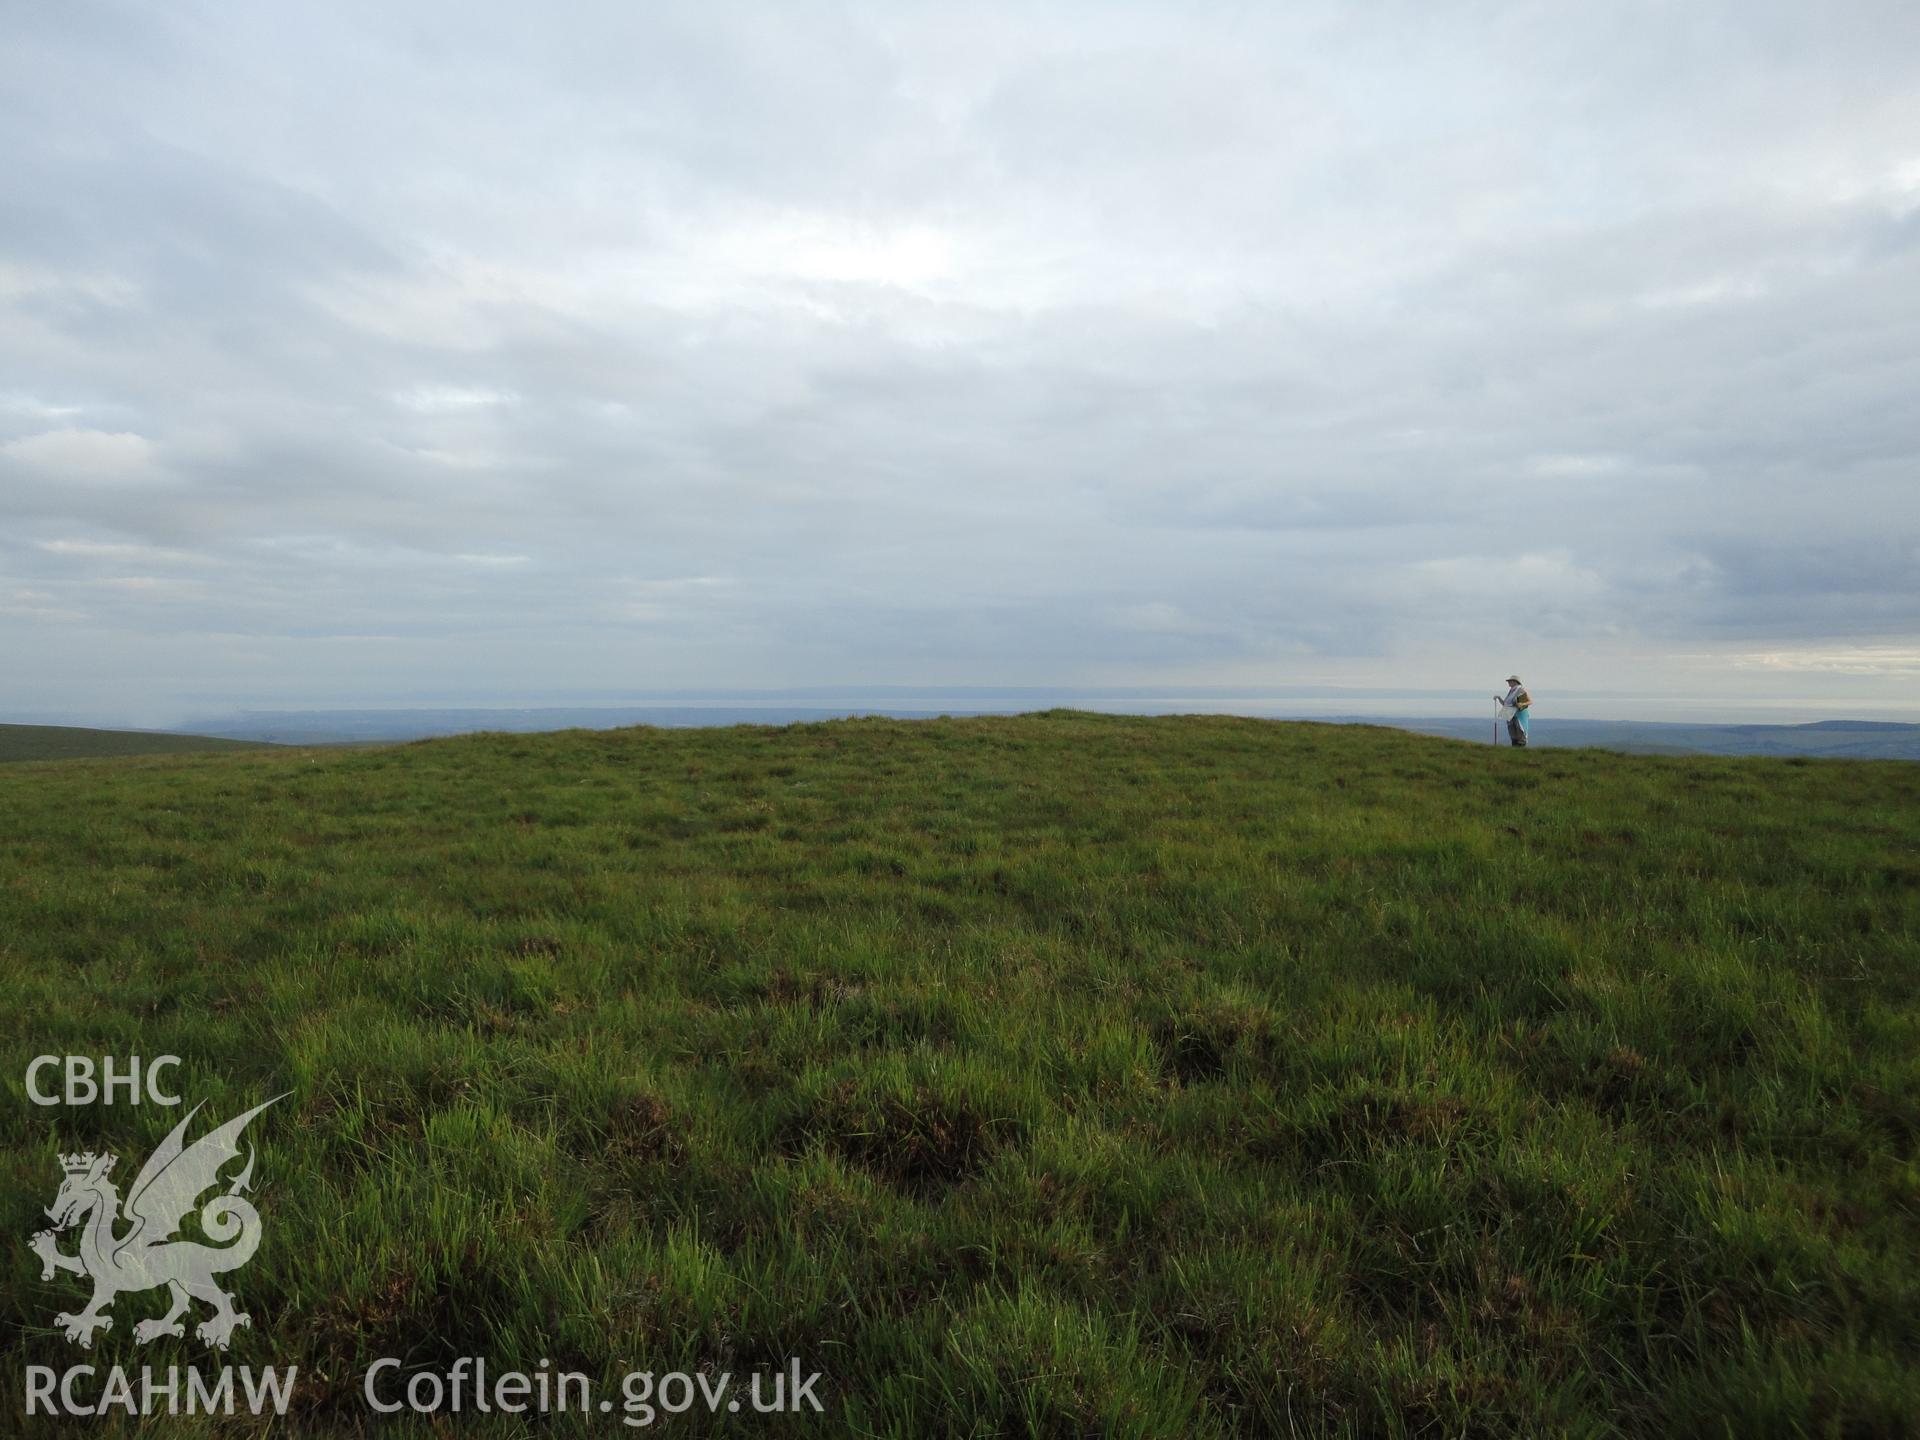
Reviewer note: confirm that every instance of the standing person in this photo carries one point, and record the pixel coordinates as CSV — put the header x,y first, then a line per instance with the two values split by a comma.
x,y
1519,702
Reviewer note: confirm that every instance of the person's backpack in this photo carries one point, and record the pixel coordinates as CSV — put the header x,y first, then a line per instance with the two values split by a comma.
x,y
1522,700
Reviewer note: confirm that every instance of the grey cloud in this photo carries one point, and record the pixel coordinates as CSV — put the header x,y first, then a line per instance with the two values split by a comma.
x,y
363,347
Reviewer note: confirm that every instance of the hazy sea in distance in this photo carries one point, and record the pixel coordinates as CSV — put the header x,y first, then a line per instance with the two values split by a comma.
x,y
1663,723
1277,702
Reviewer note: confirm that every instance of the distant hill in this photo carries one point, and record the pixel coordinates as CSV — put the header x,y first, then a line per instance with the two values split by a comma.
x,y
1856,725
72,742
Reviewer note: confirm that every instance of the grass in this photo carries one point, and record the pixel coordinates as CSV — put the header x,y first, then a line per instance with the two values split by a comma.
x,y
71,742
1059,1075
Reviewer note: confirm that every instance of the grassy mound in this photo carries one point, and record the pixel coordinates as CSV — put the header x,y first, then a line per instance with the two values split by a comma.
x,y
1060,1075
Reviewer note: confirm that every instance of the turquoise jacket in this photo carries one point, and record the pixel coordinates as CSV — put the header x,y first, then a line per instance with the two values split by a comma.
x,y
1519,711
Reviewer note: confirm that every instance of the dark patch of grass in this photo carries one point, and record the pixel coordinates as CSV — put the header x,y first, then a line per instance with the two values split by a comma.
x,y
921,1142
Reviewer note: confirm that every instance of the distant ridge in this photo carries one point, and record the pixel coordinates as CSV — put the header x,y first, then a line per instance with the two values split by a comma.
x,y
1858,725
74,742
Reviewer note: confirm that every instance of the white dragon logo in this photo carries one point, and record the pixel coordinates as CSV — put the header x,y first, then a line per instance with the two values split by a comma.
x,y
149,1254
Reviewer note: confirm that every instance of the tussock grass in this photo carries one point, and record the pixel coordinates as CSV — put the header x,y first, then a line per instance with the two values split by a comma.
x,y
1059,1075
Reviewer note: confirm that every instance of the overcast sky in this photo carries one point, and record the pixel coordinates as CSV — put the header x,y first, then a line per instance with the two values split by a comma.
x,y
510,353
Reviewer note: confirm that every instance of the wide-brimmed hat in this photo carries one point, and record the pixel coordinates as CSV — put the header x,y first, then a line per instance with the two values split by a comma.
x,y
1513,679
